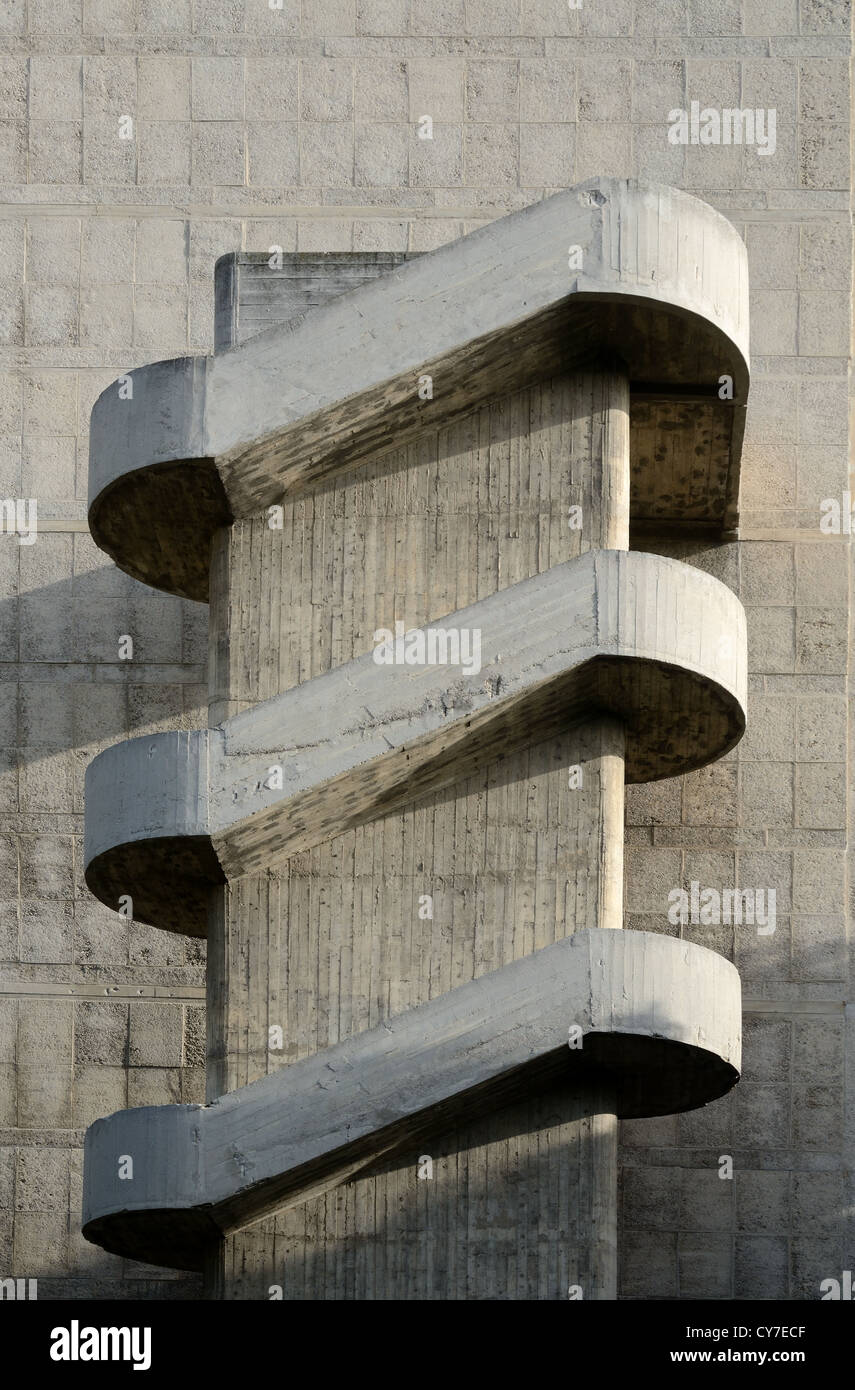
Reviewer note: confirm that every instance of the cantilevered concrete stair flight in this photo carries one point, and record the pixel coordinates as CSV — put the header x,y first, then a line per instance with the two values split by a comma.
x,y
587,362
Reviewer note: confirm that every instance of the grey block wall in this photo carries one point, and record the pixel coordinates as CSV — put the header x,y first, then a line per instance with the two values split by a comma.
x,y
253,128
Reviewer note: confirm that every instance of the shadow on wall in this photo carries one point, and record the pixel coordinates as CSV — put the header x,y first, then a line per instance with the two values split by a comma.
x,y
66,693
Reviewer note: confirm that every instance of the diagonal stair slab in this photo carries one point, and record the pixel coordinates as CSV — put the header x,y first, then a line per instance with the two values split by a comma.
x,y
649,274
660,1021
654,642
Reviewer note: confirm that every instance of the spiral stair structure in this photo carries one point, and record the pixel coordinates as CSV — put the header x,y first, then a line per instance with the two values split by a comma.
x,y
424,1017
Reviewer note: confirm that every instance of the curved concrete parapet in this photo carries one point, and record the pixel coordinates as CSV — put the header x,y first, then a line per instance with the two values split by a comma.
x,y
147,831
660,1022
650,275
652,641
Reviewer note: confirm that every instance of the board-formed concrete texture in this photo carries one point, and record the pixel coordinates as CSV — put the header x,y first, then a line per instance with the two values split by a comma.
x,y
618,666
663,286
658,1020
645,639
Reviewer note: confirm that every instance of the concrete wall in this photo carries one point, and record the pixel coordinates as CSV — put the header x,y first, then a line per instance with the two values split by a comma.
x,y
255,127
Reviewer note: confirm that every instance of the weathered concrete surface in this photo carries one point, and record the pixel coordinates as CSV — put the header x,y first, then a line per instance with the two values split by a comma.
x,y
663,285
661,1030
635,636
257,290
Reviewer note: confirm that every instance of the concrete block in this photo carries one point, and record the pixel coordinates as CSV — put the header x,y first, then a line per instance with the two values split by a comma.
x,y
107,158
218,155
604,91
823,328
654,803
46,866
822,154
767,794
50,317
381,155
710,1128
547,91
218,89
771,731
107,316
437,89
492,90
163,87
812,1260
762,1203
380,91
720,17
45,779
98,1091
326,90
164,152
437,161
547,154
651,1198
164,16
706,1204
42,1179
13,88
775,322
56,87
444,17
820,729
12,246
108,17
762,1116
194,1036
160,317
41,1243
760,1267
705,1265
817,1201
657,88
161,251
823,254
774,17
46,931
154,1086
271,90
44,1097
823,17
773,255
817,1118
821,640
107,251
490,155
771,639
53,250
821,795
819,412
156,1034
109,86
648,1265
329,17
377,17
101,1033
671,18
100,935
326,153
710,796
